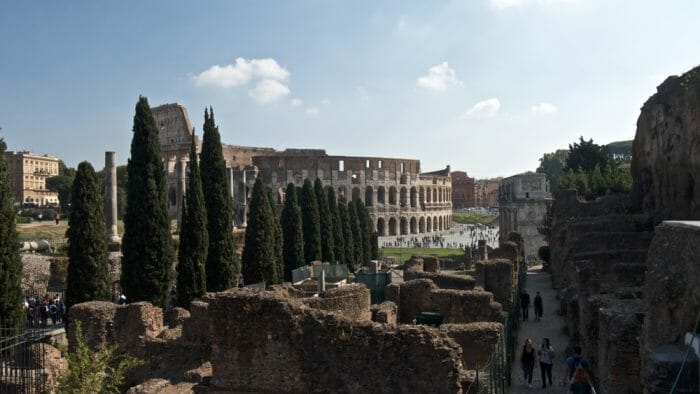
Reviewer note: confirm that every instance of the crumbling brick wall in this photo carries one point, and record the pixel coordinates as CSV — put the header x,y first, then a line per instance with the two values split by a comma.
x,y
386,312
352,301
442,281
498,278
476,339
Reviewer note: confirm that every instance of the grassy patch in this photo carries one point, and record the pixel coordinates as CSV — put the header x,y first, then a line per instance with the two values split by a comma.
x,y
474,217
404,254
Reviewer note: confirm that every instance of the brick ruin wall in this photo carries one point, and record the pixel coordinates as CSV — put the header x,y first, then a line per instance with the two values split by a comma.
x,y
352,301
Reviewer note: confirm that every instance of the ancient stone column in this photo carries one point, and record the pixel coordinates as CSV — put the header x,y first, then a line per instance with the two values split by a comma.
x,y
111,196
322,281
468,258
181,181
483,250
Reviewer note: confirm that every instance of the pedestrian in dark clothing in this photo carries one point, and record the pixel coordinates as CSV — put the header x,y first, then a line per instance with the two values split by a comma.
x,y
525,304
527,359
538,307
580,383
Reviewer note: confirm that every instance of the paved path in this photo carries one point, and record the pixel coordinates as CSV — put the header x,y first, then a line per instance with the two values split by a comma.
x,y
551,326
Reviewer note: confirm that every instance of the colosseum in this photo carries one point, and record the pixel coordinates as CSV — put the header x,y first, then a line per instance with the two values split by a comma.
x,y
401,200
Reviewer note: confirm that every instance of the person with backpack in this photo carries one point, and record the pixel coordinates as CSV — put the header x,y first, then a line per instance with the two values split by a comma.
x,y
573,362
527,360
580,384
546,357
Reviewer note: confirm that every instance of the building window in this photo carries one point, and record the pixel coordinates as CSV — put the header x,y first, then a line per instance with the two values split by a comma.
x,y
402,168
379,164
367,163
341,165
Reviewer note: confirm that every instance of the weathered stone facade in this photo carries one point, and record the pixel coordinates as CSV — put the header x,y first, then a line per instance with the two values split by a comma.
x,y
522,203
462,190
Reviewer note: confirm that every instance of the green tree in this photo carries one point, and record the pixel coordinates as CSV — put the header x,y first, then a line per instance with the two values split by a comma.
x,y
147,243
358,243
346,228
326,223
585,155
338,239
374,241
292,233
222,262
88,272
61,184
310,222
277,232
10,263
194,237
552,165
365,223
597,184
64,170
258,262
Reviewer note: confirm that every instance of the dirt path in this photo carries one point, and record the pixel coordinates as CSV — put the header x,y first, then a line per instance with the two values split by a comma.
x,y
551,326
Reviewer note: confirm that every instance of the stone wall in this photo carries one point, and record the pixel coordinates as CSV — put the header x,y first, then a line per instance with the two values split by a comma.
x,y
443,281
476,339
386,312
352,301
455,306
498,278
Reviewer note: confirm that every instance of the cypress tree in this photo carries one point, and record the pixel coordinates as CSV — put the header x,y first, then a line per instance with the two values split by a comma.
x,y
222,264
147,243
338,239
88,273
357,243
258,261
346,228
292,233
10,262
310,223
374,241
194,237
365,230
326,223
277,232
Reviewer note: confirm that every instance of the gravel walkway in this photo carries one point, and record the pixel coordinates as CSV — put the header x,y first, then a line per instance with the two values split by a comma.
x,y
551,326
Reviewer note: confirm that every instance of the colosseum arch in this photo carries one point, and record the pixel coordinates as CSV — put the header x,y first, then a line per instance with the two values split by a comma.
x,y
172,196
342,193
435,195
381,199
440,223
381,227
435,223
414,197
421,225
356,193
404,226
369,196
429,225
392,226
392,195
421,196
414,226
403,197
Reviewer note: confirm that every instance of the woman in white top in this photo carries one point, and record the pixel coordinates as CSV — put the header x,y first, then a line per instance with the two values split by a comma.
x,y
546,358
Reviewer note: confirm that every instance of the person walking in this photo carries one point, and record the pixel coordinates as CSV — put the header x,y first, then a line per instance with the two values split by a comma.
x,y
527,360
538,307
580,383
525,304
574,362
546,358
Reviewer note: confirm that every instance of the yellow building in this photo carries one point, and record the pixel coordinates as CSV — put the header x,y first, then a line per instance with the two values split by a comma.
x,y
28,173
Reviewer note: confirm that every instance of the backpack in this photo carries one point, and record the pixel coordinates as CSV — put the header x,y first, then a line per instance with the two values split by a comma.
x,y
573,362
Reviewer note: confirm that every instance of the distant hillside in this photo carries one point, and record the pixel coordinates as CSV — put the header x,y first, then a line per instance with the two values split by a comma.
x,y
621,150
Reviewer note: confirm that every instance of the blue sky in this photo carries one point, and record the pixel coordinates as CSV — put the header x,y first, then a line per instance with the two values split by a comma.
x,y
486,86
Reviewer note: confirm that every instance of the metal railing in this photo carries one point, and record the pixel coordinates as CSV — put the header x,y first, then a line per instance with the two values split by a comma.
x,y
22,359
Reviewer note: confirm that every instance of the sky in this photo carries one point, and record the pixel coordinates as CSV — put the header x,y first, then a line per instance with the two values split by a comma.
x,y
486,86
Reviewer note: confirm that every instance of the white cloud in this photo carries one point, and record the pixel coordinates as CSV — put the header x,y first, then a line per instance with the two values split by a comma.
x,y
483,109
312,111
268,91
543,109
438,78
241,72
296,103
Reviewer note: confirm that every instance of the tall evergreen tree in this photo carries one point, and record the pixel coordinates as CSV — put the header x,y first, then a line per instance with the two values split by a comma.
x,y
292,233
338,240
88,273
326,223
357,243
365,231
310,222
258,261
346,228
194,237
374,241
10,262
222,264
277,232
147,243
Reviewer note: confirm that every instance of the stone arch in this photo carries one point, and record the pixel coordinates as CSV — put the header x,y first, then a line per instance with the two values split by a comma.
x,y
403,200
440,223
381,227
369,196
342,194
392,195
435,196
392,226
435,223
356,194
404,226
421,225
172,196
413,225
421,196
381,195
429,225
414,197
281,195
